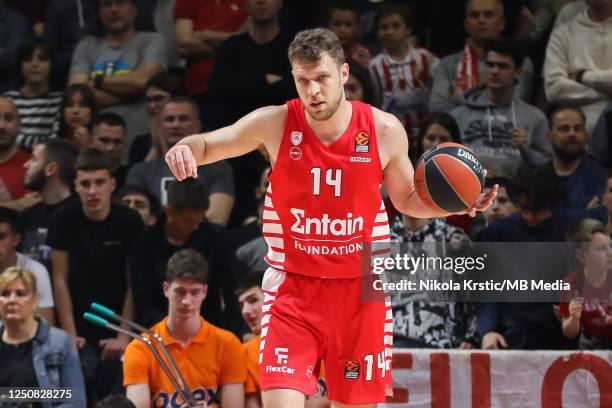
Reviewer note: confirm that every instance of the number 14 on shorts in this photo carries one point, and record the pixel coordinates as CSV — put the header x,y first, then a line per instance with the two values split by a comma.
x,y
352,367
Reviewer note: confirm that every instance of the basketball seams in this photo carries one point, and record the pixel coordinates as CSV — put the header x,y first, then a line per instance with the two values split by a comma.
x,y
470,169
459,198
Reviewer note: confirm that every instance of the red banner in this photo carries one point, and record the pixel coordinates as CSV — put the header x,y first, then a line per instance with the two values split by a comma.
x,y
501,379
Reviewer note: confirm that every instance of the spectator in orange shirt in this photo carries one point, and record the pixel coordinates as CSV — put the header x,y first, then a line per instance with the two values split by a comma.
x,y
210,359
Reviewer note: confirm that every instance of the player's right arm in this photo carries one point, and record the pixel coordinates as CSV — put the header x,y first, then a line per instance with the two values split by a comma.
x,y
262,126
139,394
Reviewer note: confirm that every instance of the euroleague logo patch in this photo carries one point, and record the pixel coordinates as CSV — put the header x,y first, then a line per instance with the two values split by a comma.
x,y
295,153
362,142
351,369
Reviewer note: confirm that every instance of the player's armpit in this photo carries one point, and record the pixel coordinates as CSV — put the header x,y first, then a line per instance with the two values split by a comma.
x,y
139,394
232,395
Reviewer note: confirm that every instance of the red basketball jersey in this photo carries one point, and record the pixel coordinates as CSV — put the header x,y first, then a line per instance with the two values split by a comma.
x,y
323,203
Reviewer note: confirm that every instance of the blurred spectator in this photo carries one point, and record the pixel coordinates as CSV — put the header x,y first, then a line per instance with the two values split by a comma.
x,y
115,401
34,11
158,91
200,27
117,64
599,146
12,157
68,21
457,73
344,19
38,106
251,299
180,118
108,135
497,124
583,177
503,205
359,86
240,87
91,241
587,307
10,237
78,110
436,128
401,71
578,66
14,30
421,323
607,198
141,200
210,358
182,225
33,354
163,16
569,11
50,173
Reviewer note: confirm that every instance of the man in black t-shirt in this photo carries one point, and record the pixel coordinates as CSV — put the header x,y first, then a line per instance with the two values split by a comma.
x,y
91,240
50,172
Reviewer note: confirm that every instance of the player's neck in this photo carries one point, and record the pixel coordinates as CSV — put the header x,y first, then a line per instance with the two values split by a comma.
x,y
328,131
263,33
184,330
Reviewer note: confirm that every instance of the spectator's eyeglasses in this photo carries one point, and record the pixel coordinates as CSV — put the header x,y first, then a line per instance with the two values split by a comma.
x,y
20,293
109,3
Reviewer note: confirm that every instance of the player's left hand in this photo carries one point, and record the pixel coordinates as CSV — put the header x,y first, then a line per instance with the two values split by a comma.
x,y
113,348
483,203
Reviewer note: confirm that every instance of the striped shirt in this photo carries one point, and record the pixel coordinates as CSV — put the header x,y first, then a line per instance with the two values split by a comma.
x,y
40,117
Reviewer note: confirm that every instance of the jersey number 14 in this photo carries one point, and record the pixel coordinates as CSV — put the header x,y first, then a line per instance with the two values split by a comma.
x,y
333,178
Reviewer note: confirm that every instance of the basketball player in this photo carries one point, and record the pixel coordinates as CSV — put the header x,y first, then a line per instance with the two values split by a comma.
x,y
329,158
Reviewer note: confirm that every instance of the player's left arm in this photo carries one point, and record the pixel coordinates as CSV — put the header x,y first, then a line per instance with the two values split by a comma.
x,y
232,395
398,173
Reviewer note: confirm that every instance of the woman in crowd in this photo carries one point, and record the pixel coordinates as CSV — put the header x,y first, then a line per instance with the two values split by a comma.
x,y
436,128
359,86
78,110
32,353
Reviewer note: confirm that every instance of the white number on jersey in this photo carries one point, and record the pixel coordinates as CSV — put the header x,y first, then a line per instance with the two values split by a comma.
x,y
333,178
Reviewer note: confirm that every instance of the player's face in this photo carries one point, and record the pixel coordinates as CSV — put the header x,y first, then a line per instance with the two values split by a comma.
x,y
185,297
177,121
500,71
37,68
94,187
140,203
435,135
8,241
117,16
392,32
251,302
109,139
568,135
35,169
483,20
76,112
17,303
607,196
598,256
344,23
502,206
9,125
320,85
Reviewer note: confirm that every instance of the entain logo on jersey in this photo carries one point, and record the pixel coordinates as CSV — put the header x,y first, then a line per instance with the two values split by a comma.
x,y
282,357
362,142
338,227
296,138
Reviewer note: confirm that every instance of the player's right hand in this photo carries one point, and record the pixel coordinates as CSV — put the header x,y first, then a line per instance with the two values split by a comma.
x,y
182,163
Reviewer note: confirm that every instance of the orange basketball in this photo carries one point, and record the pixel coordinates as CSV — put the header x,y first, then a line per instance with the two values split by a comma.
x,y
449,178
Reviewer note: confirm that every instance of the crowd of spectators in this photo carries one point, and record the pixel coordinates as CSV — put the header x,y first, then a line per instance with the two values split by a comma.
x,y
93,93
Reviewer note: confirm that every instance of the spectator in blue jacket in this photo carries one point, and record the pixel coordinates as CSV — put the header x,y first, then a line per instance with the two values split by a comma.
x,y
33,354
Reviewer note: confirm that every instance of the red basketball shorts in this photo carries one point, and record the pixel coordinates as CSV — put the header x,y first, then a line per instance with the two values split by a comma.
x,y
308,319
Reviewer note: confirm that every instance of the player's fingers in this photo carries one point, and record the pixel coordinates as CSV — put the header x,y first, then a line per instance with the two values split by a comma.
x,y
181,174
